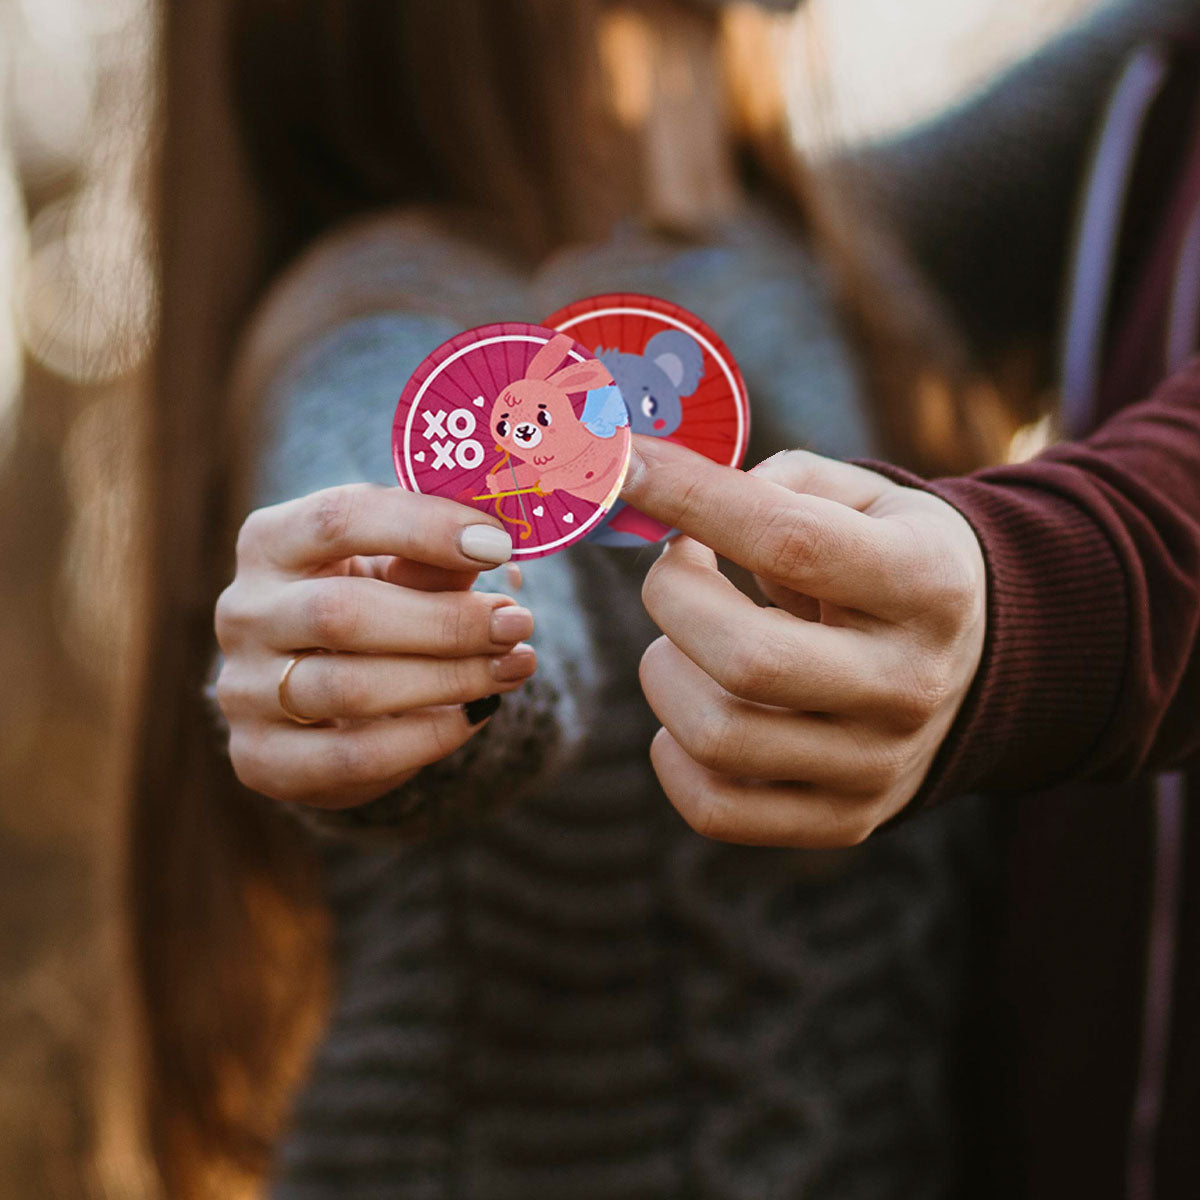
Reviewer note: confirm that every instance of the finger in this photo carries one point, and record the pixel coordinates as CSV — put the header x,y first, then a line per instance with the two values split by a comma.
x,y
762,654
334,686
799,605
803,471
365,519
817,546
734,737
336,767
367,616
404,572
756,814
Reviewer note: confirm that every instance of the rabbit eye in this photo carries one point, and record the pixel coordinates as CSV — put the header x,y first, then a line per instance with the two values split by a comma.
x,y
501,427
543,417
649,405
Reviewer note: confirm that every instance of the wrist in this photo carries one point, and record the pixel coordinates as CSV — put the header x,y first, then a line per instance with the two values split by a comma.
x,y
1055,639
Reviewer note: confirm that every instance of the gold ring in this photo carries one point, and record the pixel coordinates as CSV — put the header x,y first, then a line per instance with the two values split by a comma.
x,y
288,710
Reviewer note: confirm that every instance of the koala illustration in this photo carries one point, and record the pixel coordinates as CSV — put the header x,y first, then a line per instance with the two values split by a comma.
x,y
653,382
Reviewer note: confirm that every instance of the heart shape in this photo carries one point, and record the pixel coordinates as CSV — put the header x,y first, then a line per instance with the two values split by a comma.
x,y
539,511
569,518
478,401
419,456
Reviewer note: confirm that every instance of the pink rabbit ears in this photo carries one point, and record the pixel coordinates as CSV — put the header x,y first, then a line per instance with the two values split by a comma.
x,y
575,376
548,357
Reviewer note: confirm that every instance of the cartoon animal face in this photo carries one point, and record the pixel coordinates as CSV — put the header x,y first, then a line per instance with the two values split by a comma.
x,y
535,420
653,382
533,417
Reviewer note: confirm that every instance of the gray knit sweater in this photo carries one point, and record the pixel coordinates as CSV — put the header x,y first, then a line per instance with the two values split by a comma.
x,y
548,985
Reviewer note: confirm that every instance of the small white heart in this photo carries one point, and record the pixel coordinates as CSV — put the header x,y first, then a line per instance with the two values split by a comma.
x,y
569,518
419,456
478,401
537,512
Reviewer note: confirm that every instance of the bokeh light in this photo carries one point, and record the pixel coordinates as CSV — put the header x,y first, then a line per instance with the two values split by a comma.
x,y
51,97
13,244
858,70
89,294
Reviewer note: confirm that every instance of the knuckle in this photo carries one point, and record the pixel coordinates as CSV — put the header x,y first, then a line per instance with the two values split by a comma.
x,y
719,741
230,617
463,677
952,588
250,535
339,688
692,496
880,763
654,585
443,739
332,615
922,688
332,516
355,762
664,582
251,762
853,824
229,691
709,817
932,684
958,585
788,540
757,668
463,625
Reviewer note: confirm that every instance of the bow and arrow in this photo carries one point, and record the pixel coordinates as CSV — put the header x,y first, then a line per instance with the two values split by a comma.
x,y
522,522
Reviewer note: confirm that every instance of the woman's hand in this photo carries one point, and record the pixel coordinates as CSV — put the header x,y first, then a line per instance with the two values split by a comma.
x,y
810,723
380,578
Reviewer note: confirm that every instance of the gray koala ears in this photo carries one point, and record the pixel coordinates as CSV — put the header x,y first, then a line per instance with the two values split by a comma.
x,y
679,357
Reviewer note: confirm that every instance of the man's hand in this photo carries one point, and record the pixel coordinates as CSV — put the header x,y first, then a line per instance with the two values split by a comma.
x,y
812,722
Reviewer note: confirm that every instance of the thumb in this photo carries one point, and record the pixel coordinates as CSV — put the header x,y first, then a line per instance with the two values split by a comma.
x,y
811,543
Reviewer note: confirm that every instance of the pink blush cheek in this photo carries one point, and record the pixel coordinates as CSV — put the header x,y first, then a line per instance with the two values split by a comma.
x,y
660,424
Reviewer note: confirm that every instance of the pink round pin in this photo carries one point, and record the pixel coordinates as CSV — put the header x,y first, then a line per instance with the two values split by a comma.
x,y
518,421
679,381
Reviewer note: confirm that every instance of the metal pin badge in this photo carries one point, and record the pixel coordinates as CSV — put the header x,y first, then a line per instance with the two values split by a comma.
x,y
520,421
679,382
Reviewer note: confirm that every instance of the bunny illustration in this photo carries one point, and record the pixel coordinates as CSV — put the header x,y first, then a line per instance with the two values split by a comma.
x,y
534,420
653,382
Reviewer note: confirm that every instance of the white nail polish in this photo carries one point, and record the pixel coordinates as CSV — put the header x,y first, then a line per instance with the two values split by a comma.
x,y
485,543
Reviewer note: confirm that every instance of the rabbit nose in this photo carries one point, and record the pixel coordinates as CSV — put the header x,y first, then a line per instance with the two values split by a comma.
x,y
527,433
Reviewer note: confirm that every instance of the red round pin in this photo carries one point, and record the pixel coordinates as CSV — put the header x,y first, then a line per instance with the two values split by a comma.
x,y
519,421
678,379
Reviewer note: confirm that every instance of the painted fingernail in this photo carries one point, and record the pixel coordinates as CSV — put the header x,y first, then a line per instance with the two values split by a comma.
x,y
511,624
485,543
478,711
519,663
768,464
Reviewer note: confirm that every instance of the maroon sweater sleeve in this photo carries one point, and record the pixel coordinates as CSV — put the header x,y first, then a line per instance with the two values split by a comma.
x,y
1091,665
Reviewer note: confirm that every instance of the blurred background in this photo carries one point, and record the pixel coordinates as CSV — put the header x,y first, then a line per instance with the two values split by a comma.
x,y
78,122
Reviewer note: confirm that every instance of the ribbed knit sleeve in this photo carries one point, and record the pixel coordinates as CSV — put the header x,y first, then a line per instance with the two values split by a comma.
x,y
1091,665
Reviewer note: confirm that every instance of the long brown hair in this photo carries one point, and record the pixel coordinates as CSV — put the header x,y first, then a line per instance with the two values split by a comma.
x,y
345,108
